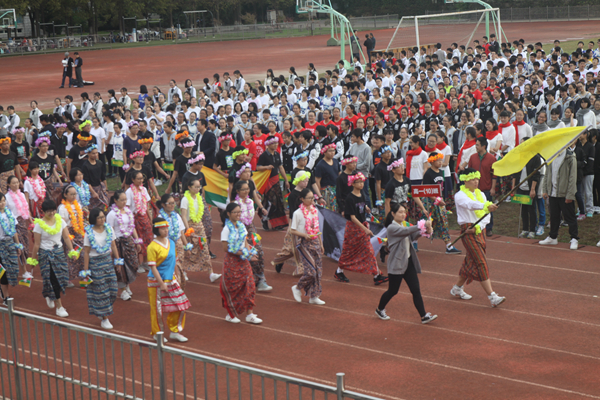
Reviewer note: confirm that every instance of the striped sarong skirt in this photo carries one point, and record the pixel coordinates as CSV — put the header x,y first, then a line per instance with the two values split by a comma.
x,y
56,261
474,267
102,292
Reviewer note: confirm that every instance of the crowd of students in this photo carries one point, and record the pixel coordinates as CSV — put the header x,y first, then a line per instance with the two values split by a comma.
x,y
352,140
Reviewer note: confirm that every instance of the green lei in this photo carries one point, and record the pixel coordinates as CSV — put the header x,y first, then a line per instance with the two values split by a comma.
x,y
46,228
195,213
477,195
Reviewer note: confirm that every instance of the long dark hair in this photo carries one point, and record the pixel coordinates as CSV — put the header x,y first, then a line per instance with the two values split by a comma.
x,y
115,196
163,200
394,207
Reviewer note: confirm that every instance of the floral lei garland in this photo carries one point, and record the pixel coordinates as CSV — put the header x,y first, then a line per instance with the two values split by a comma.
x,y
39,187
83,192
20,202
237,240
312,220
92,238
9,227
76,220
247,207
173,224
50,231
478,196
140,203
126,229
197,213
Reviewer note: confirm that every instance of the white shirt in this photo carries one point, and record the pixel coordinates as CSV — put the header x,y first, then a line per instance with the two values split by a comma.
x,y
100,241
113,221
465,210
446,151
298,221
12,206
508,137
185,205
100,135
49,241
417,165
131,200
466,154
28,188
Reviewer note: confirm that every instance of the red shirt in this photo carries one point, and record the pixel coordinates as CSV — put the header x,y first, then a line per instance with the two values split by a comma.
x,y
386,114
310,127
260,144
326,124
477,95
435,106
353,120
251,150
338,124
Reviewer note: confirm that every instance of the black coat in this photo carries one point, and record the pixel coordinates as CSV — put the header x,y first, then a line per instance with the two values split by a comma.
x,y
207,145
69,68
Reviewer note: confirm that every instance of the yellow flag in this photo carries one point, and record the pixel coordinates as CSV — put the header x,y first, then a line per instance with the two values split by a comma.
x,y
546,144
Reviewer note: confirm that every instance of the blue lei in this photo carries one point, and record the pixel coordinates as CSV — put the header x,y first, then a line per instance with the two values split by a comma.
x,y
83,193
92,238
9,228
237,240
173,224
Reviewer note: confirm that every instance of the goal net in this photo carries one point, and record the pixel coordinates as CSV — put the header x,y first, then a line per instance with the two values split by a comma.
x,y
457,27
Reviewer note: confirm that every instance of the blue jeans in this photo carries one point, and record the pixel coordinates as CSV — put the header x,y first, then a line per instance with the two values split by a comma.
x,y
541,203
366,193
63,79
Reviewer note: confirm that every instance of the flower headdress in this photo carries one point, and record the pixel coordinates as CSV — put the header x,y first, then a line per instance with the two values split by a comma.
x,y
399,162
142,141
181,135
132,123
85,123
271,141
194,160
43,139
58,126
433,158
242,169
304,154
222,138
138,153
327,147
357,177
471,176
90,148
84,138
386,148
19,129
238,153
191,143
4,140
302,175
349,160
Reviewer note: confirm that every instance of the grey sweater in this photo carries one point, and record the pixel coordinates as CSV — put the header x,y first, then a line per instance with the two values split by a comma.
x,y
363,153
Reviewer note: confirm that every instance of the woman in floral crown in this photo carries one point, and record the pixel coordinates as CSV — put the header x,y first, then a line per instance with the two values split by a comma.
x,y
9,164
50,234
17,204
138,201
164,290
357,252
35,190
305,225
243,199
72,215
10,249
99,267
122,221
237,285
166,210
192,208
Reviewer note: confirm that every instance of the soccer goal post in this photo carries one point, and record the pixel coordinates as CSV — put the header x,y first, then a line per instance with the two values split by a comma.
x,y
456,27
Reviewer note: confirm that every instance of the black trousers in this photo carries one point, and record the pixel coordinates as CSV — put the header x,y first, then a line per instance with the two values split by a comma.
x,y
55,284
79,80
558,206
109,155
528,213
412,280
596,189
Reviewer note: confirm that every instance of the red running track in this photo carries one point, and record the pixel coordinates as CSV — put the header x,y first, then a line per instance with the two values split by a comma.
x,y
542,343
37,77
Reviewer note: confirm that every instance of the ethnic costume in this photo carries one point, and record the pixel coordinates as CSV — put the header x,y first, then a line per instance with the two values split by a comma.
x,y
176,229
8,247
83,197
272,191
51,258
36,190
247,217
198,258
72,215
17,203
470,206
237,283
102,292
137,200
306,220
173,301
123,226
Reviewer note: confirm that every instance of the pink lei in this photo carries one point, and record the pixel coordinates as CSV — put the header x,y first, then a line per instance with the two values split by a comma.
x,y
126,229
20,202
311,216
141,205
247,207
39,187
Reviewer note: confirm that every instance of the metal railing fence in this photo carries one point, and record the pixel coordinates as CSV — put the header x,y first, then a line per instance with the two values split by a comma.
x,y
190,35
42,358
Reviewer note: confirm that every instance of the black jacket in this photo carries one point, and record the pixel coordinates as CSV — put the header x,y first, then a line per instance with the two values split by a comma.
x,y
534,163
589,154
207,144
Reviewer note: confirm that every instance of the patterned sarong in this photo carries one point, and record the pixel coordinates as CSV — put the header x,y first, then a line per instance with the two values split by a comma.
x,y
207,220
127,272
74,265
143,227
4,180
24,238
258,266
237,285
102,201
173,299
474,267
439,219
53,259
102,292
10,260
330,198
310,256
289,251
197,259
357,252
276,207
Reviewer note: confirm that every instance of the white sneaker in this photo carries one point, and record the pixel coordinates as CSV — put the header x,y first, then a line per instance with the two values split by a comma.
x,y
158,182
495,299
164,339
234,320
61,312
253,319
531,235
382,314
523,234
574,244
49,302
105,324
598,244
297,293
128,290
125,296
178,336
549,241
316,300
213,277
141,270
263,287
458,291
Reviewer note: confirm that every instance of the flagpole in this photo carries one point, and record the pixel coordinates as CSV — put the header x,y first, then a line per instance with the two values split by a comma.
x,y
514,189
